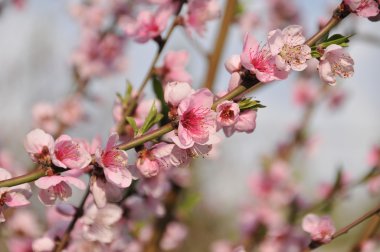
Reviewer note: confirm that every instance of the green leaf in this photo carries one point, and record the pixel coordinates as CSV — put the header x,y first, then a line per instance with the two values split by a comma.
x,y
152,118
159,92
131,121
248,103
336,39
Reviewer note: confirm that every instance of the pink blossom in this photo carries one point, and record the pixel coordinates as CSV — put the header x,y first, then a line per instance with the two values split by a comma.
x,y
98,56
174,235
336,98
259,61
151,161
104,192
233,63
200,12
98,223
289,49
227,113
197,123
374,185
149,25
114,163
231,119
70,110
335,62
374,156
90,15
175,92
15,196
44,117
304,93
248,21
174,67
70,154
363,8
40,146
54,187
140,208
321,229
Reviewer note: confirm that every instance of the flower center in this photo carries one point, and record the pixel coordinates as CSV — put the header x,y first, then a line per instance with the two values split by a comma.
x,y
196,120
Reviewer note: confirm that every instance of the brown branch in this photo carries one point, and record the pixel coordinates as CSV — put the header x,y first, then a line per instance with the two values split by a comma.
x,y
214,58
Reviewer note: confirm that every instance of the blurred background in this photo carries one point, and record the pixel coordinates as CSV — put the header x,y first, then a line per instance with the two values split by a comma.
x,y
36,43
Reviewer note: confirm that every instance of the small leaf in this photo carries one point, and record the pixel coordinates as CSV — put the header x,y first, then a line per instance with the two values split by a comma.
x,y
152,118
248,103
159,92
131,121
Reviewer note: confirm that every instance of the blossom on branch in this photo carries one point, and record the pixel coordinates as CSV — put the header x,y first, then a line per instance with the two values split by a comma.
x,y
364,8
321,229
335,61
260,61
15,196
289,49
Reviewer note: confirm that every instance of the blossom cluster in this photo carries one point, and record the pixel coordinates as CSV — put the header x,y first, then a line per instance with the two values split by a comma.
x,y
126,191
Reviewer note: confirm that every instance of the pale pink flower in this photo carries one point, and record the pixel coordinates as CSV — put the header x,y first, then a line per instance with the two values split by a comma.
x,y
155,187
90,15
289,49
140,208
199,12
260,61
231,119
15,196
175,92
98,56
149,25
283,12
57,187
174,235
304,93
335,61
104,192
25,222
70,111
363,8
114,163
70,154
233,63
227,113
40,146
321,229
43,244
174,67
248,21
374,185
98,223
151,161
374,156
197,122
44,117
336,98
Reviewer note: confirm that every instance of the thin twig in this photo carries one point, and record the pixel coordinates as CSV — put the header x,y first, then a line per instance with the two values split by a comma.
x,y
353,224
79,213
